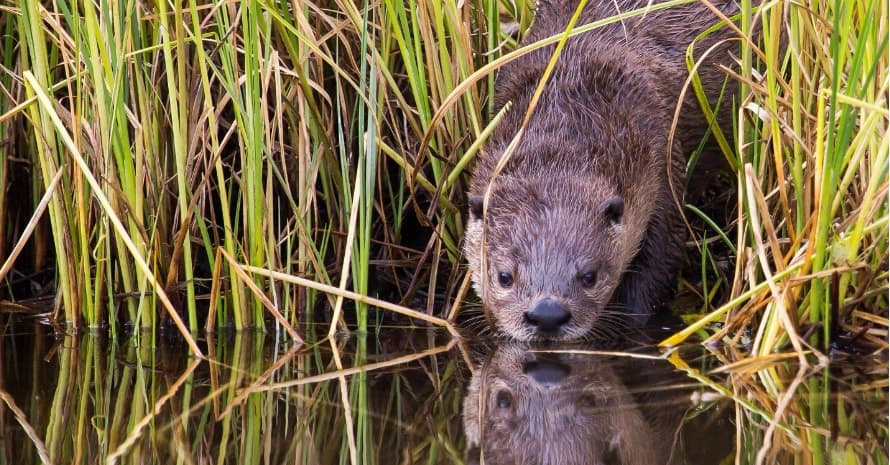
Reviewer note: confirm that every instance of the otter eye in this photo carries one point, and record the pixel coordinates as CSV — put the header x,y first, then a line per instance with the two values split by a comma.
x,y
588,279
504,399
505,279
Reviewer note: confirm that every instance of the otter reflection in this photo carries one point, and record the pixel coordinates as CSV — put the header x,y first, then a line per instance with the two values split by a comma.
x,y
530,406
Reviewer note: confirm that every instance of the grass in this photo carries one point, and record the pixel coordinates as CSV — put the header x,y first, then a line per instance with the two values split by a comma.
x,y
283,135
811,174
252,164
318,140
314,141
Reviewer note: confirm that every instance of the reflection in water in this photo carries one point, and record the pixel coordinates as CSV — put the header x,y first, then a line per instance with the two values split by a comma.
x,y
545,407
397,398
87,400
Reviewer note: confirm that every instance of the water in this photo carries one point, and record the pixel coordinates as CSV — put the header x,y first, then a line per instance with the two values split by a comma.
x,y
419,397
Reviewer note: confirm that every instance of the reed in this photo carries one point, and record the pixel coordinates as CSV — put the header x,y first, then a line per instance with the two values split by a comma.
x,y
329,141
811,173
282,133
252,164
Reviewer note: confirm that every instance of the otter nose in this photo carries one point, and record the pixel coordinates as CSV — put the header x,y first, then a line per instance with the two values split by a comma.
x,y
547,373
547,316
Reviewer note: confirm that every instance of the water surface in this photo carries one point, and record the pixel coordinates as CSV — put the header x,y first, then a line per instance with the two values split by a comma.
x,y
419,397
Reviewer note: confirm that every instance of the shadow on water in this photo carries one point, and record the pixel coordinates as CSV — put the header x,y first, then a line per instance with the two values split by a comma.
x,y
408,396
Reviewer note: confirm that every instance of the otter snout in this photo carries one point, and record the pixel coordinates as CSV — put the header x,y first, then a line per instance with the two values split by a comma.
x,y
547,317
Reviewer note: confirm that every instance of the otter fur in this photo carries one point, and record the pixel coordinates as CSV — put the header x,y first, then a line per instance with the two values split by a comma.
x,y
582,231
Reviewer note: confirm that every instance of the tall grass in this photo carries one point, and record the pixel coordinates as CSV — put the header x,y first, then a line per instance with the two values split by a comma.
x,y
198,144
252,164
810,154
283,133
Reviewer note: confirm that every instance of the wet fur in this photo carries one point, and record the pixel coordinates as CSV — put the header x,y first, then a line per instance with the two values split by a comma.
x,y
600,131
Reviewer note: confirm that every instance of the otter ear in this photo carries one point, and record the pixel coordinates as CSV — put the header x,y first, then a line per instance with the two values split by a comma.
x,y
476,204
613,209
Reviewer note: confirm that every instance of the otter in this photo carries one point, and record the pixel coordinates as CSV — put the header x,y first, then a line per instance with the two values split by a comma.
x,y
582,232
528,404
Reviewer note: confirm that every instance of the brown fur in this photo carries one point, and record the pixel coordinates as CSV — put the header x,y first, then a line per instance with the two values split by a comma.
x,y
600,132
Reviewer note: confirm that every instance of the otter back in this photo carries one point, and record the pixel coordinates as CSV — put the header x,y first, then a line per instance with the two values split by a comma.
x,y
582,236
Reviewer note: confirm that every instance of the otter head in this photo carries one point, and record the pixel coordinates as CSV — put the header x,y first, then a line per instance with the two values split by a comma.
x,y
548,252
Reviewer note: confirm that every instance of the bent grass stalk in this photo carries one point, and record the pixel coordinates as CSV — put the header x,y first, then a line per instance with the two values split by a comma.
x,y
32,224
258,293
365,368
354,296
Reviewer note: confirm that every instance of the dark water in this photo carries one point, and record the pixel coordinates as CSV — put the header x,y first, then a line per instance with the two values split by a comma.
x,y
418,397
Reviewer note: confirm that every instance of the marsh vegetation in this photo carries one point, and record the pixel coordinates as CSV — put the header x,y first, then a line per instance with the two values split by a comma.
x,y
171,172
